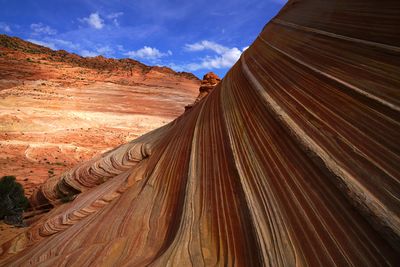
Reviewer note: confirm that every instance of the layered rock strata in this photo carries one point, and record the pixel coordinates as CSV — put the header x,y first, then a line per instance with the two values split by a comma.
x,y
209,82
59,109
292,160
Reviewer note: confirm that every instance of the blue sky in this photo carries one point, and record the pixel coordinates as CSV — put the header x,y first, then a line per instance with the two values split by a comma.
x,y
192,35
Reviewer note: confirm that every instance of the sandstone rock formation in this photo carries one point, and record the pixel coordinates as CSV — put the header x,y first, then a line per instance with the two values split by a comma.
x,y
209,82
58,109
292,160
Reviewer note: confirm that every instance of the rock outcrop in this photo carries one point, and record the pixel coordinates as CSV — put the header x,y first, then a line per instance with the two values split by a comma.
x,y
209,82
58,109
292,160
100,63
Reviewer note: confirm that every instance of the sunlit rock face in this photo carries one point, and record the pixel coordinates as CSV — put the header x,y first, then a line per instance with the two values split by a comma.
x,y
59,109
292,160
209,82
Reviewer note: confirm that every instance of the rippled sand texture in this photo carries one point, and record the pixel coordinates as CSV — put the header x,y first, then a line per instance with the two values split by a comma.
x,y
58,109
292,160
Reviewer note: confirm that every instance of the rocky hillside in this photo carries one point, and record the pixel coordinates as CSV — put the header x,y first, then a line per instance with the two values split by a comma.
x,y
291,160
58,109
99,63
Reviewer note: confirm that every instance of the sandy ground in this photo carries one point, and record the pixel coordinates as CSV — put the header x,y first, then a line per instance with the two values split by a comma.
x,y
54,115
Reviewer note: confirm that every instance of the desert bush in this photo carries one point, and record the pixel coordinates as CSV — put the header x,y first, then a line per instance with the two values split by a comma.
x,y
12,200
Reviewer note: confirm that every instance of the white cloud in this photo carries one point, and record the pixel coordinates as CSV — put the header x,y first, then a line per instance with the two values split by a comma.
x,y
204,45
43,43
40,28
102,50
55,44
94,20
225,57
105,50
65,44
116,22
147,52
5,27
114,17
87,53
177,67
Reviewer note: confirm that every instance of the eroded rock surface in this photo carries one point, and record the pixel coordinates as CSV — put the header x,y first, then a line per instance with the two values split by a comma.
x,y
58,109
209,82
292,160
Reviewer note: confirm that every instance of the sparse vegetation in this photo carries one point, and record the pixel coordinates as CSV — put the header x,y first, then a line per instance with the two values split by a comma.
x,y
12,201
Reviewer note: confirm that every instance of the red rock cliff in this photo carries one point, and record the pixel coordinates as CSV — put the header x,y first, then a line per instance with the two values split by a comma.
x,y
292,160
58,108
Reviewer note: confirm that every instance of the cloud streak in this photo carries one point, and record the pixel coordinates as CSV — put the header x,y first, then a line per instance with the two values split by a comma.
x,y
40,28
5,27
114,17
50,45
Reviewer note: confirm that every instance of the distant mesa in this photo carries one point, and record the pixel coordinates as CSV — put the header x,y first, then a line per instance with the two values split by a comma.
x,y
97,62
59,108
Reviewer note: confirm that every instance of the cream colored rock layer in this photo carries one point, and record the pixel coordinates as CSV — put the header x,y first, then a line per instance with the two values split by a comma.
x,y
292,160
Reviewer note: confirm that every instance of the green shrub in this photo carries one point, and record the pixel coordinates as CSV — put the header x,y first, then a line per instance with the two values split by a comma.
x,y
12,199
